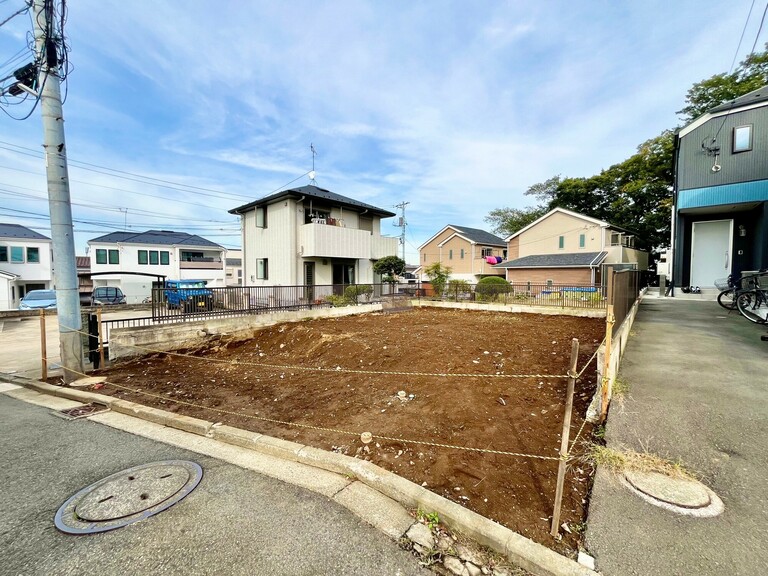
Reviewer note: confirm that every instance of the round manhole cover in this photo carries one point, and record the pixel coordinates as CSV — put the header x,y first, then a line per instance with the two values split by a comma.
x,y
679,495
128,496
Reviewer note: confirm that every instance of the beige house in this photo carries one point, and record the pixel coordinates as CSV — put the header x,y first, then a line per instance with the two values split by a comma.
x,y
565,247
470,253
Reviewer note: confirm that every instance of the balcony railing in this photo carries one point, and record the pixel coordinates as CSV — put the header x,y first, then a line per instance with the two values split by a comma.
x,y
201,264
324,241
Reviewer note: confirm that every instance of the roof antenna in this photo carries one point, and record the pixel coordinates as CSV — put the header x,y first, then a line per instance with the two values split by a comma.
x,y
312,173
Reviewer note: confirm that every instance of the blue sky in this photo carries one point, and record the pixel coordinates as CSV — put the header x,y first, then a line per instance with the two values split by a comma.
x,y
455,107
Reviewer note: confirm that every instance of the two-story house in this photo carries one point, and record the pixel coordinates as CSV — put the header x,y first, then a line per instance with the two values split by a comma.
x,y
234,267
134,260
25,263
311,236
565,247
720,219
470,253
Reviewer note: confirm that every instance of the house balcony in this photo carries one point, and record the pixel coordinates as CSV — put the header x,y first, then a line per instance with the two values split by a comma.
x,y
382,246
201,264
323,241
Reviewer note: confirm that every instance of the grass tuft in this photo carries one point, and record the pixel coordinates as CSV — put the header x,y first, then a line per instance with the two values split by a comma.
x,y
620,461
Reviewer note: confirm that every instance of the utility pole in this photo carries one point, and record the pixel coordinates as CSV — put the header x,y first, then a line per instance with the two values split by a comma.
x,y
62,233
402,224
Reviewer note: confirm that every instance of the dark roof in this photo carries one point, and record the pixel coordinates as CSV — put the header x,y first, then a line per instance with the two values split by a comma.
x,y
19,231
759,95
234,262
155,237
83,262
569,260
479,236
311,191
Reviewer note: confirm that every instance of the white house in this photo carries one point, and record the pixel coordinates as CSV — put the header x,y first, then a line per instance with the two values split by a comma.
x,y
234,267
25,263
311,236
133,261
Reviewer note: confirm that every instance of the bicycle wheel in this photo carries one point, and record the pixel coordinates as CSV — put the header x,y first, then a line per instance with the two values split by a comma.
x,y
727,299
753,305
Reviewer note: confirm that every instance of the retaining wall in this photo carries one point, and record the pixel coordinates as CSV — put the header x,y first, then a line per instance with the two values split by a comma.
x,y
137,341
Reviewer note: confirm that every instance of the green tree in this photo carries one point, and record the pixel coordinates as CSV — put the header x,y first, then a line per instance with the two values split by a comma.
x,y
438,276
751,74
389,267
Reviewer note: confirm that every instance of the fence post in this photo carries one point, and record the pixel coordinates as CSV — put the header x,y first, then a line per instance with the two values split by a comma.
x,y
610,320
101,338
43,346
565,437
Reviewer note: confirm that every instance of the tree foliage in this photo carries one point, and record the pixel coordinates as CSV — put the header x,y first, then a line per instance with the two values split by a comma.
x,y
751,74
636,194
438,276
389,267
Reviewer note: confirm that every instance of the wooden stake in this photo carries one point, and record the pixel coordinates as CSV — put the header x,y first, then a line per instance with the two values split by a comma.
x,y
565,437
43,346
605,386
101,339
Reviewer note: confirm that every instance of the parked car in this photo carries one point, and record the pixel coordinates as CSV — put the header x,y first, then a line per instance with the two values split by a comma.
x,y
188,295
37,299
107,295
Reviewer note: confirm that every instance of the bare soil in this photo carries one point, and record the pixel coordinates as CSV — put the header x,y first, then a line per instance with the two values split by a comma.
x,y
494,413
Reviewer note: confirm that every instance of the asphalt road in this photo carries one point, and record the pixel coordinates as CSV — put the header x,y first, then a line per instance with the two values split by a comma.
x,y
698,393
235,522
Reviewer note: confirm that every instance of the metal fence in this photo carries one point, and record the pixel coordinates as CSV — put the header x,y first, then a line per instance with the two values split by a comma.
x,y
524,293
623,290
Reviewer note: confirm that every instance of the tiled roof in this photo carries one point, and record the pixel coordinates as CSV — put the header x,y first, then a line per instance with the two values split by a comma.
x,y
154,237
566,260
479,236
311,191
83,262
19,231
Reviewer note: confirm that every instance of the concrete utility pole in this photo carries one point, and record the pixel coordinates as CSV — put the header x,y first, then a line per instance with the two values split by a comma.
x,y
62,234
402,224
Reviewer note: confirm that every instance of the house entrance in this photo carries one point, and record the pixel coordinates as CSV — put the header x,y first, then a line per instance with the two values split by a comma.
x,y
343,275
711,251
309,280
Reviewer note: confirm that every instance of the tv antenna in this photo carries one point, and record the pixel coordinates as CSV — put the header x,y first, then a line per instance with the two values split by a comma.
x,y
312,172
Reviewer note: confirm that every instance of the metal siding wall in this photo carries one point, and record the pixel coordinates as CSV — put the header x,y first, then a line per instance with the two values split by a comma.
x,y
694,166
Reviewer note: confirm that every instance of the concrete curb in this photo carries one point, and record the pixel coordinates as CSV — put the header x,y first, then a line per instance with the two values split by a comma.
x,y
527,554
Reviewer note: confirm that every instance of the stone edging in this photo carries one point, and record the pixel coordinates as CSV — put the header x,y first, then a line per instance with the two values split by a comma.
x,y
519,550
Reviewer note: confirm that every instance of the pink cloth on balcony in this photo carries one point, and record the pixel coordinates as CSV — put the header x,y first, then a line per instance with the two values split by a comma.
x,y
490,259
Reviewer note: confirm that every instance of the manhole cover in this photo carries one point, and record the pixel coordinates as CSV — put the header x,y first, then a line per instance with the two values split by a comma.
x,y
82,411
680,495
128,496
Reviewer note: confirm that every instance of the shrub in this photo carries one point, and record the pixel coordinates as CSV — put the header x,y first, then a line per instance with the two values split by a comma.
x,y
489,288
438,276
353,292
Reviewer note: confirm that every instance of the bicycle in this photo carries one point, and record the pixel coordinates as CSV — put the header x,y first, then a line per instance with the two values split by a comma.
x,y
753,303
730,288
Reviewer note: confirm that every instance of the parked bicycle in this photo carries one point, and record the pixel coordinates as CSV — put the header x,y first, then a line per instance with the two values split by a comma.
x,y
753,303
730,288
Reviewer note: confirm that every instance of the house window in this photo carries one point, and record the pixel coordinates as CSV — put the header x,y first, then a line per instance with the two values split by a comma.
x,y
114,257
561,242
3,253
549,284
143,258
615,238
262,269
261,217
582,240
425,257
462,253
165,259
154,258
101,256
742,138
450,254
486,252
33,255
17,255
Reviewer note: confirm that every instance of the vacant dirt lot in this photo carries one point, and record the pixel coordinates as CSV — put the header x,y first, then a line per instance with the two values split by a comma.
x,y
480,411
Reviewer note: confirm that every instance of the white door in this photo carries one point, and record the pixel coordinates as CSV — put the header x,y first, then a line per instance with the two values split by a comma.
x,y
711,251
